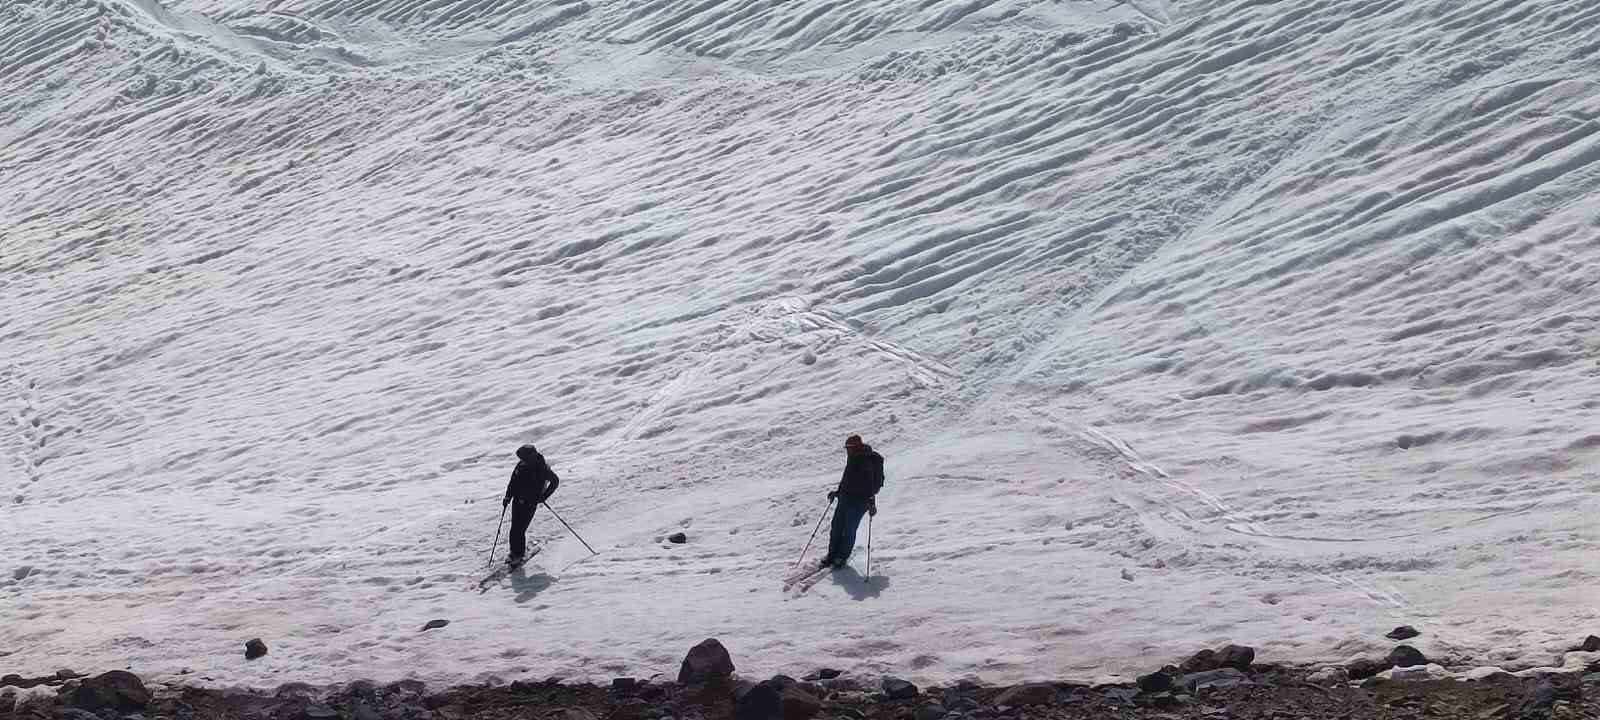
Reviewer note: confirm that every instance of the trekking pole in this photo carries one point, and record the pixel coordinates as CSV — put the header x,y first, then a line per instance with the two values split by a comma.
x,y
497,535
814,533
575,534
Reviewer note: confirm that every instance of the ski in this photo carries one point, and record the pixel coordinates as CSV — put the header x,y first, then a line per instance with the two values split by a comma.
x,y
805,584
505,569
804,575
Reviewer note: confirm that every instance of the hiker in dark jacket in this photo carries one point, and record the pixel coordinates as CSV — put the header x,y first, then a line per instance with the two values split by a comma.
x,y
857,495
532,483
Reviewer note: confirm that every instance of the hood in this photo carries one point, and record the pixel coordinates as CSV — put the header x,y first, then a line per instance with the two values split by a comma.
x,y
528,453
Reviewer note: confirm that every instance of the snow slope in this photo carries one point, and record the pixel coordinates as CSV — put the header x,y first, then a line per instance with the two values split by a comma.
x,y
1179,323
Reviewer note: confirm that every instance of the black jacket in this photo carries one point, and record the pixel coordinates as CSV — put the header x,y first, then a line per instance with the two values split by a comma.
x,y
533,480
863,475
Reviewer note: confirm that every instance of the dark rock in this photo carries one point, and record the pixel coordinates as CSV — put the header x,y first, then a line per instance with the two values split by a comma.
x,y
1155,682
1405,656
760,702
1404,632
897,689
797,703
961,703
1551,688
1211,679
708,661
634,709
8,703
929,712
295,691
1590,644
677,538
69,713
118,690
254,649
1237,657
434,702
574,714
1201,662
363,689
12,679
67,675
1025,695
320,712
1364,668
364,711
434,625
829,673
625,686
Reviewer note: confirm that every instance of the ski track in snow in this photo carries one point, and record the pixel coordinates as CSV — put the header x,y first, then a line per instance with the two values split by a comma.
x,y
1282,310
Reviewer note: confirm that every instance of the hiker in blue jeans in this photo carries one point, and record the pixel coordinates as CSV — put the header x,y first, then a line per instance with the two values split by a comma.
x,y
857,495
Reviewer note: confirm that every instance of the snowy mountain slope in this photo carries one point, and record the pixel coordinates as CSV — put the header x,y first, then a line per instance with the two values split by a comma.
x,y
1282,307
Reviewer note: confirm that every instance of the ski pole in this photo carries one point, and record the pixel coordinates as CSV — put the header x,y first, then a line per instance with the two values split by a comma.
x,y
497,535
569,528
814,533
869,548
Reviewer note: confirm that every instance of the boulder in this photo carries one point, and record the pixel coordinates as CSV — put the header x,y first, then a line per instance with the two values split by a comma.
x,y
1025,695
796,703
625,685
677,538
1201,662
707,662
1237,657
1404,632
1365,668
1211,679
929,712
1590,644
1331,675
1158,681
118,690
761,702
1405,656
897,689
254,649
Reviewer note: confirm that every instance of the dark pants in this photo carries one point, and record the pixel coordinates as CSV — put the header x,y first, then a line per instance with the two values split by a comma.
x,y
521,516
846,518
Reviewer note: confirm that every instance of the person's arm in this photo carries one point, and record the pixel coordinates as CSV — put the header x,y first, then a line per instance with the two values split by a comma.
x,y
510,486
554,481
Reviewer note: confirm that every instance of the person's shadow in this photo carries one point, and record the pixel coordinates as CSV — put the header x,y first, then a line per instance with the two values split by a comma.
x,y
859,587
528,586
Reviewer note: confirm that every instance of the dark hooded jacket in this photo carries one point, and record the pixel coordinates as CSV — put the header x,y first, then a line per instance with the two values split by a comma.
x,y
533,480
863,474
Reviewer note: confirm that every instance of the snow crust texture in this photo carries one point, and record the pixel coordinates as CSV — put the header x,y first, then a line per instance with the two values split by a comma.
x,y
1178,323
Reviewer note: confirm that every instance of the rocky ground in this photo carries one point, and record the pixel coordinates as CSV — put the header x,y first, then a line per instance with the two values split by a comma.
x,y
1223,684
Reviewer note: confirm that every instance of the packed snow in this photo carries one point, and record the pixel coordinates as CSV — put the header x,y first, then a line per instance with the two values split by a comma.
x,y
1179,322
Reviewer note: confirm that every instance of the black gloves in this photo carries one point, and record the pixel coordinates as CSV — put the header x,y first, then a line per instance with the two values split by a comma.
x,y
872,507
505,501
834,495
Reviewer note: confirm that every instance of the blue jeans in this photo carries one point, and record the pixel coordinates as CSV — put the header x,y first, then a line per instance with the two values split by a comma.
x,y
846,518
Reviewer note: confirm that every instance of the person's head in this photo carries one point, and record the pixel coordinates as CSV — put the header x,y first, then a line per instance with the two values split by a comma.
x,y
528,453
853,445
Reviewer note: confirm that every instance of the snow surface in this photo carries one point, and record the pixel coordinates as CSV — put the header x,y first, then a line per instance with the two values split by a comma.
x,y
1178,322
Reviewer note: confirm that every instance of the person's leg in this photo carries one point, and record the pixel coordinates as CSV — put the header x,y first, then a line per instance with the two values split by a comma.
x,y
835,530
521,517
850,514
